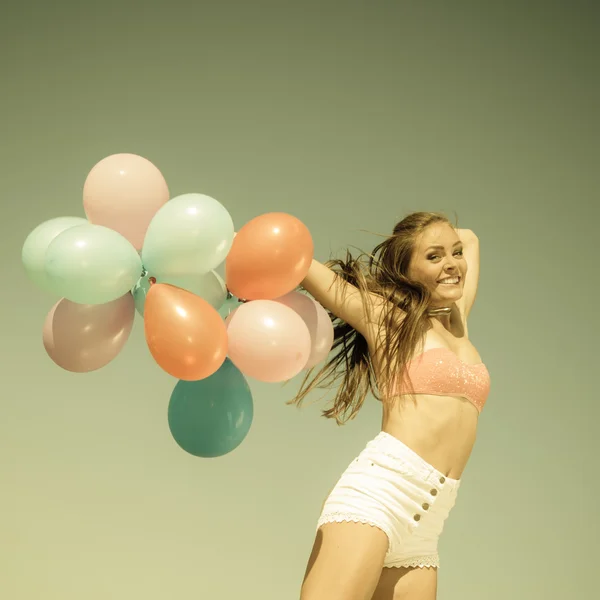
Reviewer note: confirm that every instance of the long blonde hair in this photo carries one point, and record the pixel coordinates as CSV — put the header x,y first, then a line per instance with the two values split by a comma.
x,y
384,273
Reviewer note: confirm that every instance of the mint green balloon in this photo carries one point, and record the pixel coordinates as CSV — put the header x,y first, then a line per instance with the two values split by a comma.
x,y
36,244
92,264
190,234
209,286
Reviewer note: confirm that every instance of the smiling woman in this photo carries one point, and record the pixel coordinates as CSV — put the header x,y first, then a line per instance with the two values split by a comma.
x,y
442,269
401,334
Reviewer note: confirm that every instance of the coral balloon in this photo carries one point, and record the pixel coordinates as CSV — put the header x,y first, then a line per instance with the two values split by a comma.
x,y
185,334
268,341
86,337
269,257
124,192
318,322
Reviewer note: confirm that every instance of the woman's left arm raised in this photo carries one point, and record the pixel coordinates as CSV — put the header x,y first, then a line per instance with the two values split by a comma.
x,y
471,254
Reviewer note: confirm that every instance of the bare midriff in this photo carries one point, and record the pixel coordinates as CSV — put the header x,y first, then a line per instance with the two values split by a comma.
x,y
440,429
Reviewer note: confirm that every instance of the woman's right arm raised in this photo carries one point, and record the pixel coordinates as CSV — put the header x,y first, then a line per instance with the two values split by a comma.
x,y
341,298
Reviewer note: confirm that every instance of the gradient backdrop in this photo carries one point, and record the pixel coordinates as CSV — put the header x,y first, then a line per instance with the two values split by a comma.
x,y
348,115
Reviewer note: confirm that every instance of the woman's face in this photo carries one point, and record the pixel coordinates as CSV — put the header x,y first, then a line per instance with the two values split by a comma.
x,y
438,263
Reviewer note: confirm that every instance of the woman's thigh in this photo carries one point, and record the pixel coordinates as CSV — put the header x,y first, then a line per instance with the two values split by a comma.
x,y
345,563
407,584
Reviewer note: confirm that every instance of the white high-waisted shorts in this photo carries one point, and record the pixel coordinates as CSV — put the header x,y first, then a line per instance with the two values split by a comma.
x,y
391,487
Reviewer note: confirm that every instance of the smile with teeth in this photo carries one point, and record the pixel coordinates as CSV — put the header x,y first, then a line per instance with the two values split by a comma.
x,y
449,281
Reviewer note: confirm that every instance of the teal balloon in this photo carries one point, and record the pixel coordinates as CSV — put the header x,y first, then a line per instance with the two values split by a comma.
x,y
92,264
211,417
209,286
36,244
190,234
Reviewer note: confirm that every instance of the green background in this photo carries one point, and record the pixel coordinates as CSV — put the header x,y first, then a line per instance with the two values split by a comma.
x,y
348,115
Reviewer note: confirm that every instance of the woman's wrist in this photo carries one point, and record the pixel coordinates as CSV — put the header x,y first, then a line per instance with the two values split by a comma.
x,y
465,235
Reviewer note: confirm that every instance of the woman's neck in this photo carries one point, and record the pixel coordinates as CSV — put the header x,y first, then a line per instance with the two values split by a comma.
x,y
442,314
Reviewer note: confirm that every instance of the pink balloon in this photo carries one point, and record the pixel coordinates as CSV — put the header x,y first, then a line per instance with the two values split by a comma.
x,y
123,192
318,322
85,337
268,341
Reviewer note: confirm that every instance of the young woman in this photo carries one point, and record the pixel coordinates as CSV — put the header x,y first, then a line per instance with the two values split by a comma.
x,y
401,332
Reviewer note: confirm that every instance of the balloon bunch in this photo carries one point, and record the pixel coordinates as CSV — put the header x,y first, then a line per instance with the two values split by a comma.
x,y
139,250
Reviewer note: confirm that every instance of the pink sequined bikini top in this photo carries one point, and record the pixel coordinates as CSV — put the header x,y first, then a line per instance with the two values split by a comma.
x,y
440,372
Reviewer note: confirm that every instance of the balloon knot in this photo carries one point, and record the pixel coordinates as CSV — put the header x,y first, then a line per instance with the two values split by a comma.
x,y
152,280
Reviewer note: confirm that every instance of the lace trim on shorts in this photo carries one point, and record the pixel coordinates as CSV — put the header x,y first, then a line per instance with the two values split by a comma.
x,y
342,517
418,562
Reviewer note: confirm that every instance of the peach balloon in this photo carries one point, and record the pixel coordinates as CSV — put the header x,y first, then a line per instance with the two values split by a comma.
x,y
123,192
86,337
269,257
268,341
185,334
318,322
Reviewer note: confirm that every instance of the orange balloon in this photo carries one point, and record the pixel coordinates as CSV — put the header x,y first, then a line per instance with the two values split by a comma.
x,y
269,258
185,334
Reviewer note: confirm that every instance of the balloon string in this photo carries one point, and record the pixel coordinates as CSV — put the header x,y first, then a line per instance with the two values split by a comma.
x,y
231,296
